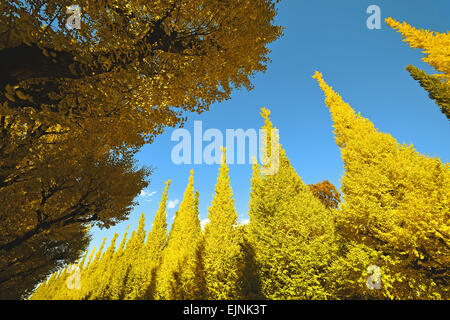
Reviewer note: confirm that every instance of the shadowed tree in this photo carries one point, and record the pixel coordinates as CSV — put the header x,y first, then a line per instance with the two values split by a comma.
x,y
43,220
438,90
132,68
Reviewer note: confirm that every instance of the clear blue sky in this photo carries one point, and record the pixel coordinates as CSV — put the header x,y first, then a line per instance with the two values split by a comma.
x,y
367,67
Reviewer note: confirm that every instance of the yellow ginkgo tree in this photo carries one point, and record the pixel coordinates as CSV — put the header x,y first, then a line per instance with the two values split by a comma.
x,y
180,275
222,250
291,231
436,47
395,210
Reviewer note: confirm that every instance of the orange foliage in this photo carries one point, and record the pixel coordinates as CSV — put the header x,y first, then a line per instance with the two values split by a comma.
x,y
326,192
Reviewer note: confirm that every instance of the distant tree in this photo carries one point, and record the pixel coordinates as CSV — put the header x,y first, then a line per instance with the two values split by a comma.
x,y
156,241
326,192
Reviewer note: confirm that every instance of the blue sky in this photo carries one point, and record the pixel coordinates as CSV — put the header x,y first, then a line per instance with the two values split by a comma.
x,y
367,67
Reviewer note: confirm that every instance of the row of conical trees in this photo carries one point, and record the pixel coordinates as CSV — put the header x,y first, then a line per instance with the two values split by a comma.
x,y
389,239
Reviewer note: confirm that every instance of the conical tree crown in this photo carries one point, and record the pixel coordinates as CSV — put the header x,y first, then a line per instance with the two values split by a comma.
x,y
222,213
395,199
122,243
136,263
438,90
157,236
178,278
186,225
289,229
153,249
434,44
94,262
222,252
100,279
119,271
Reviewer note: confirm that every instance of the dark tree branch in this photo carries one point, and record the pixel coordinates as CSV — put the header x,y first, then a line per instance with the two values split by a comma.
x,y
30,62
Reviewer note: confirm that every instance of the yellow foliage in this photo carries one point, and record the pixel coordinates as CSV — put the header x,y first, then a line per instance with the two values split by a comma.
x,y
435,45
179,277
222,252
396,201
290,230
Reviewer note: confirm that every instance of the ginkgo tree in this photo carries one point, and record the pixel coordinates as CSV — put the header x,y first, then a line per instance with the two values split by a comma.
x,y
179,277
222,253
44,219
138,63
436,46
290,230
395,210
131,70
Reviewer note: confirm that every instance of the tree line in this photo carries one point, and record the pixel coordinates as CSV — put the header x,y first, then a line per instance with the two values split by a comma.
x,y
76,106
300,242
